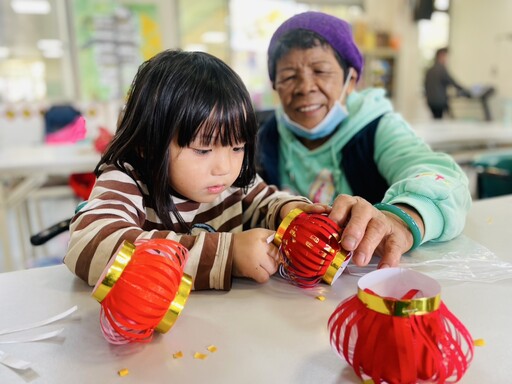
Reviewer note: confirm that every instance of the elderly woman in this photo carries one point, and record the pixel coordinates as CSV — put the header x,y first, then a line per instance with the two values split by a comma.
x,y
349,149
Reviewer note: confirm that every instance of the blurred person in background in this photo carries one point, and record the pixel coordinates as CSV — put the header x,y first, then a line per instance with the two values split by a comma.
x,y
437,81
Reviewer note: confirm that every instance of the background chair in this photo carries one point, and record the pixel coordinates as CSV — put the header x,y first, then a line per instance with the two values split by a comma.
x,y
494,174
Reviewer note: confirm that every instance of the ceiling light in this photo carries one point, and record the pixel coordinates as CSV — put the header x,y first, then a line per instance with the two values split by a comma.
x,y
39,7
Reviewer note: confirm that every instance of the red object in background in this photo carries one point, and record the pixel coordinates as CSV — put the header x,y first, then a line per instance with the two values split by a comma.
x,y
102,140
82,184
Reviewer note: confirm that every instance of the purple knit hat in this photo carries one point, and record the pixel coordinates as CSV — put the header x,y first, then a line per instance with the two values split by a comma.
x,y
337,32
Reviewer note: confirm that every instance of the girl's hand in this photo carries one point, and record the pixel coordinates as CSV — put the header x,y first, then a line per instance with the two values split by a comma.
x,y
253,256
368,230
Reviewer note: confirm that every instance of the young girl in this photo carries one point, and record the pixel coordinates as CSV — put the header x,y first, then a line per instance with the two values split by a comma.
x,y
180,166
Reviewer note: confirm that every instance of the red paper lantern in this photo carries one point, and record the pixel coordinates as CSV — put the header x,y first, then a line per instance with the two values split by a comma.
x,y
310,249
397,330
143,289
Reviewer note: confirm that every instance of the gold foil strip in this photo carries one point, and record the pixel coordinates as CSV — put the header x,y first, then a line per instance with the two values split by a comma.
x,y
278,238
176,305
123,372
400,308
333,268
115,270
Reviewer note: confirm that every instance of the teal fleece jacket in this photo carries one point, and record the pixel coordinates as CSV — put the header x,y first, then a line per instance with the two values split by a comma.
x,y
431,182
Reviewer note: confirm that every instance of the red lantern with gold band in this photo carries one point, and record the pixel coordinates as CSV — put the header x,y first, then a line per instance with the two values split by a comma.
x,y
397,330
142,289
310,249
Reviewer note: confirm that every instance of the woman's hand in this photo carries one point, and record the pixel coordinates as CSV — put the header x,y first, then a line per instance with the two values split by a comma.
x,y
253,256
368,230
306,207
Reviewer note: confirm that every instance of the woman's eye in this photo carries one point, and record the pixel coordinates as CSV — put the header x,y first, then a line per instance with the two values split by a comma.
x,y
287,79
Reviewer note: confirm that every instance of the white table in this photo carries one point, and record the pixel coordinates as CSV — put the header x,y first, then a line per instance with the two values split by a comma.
x,y
465,140
271,333
25,169
463,133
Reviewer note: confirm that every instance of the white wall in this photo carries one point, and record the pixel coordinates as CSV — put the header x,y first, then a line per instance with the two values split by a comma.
x,y
480,49
481,46
395,16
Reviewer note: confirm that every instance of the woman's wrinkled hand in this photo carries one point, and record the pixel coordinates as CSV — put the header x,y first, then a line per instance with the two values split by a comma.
x,y
368,231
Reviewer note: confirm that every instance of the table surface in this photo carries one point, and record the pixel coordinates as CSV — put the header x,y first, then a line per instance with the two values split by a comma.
x,y
26,169
270,333
62,159
460,133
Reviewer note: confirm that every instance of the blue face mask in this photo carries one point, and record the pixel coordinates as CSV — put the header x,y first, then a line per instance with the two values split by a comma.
x,y
324,128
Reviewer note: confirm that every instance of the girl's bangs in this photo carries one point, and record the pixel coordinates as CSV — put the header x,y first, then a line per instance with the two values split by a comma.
x,y
226,125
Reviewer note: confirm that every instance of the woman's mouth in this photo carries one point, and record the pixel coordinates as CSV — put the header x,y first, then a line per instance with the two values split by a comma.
x,y
309,108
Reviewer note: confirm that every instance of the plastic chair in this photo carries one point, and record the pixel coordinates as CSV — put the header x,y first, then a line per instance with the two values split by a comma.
x,y
494,174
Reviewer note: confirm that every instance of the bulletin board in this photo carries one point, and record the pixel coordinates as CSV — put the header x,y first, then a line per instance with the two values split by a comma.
x,y
112,40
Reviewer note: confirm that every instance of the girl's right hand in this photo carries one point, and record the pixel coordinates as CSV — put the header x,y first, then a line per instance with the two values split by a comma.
x,y
253,256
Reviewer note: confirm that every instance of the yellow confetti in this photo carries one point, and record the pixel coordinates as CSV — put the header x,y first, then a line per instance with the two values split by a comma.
x,y
321,298
178,355
479,342
200,356
489,220
212,348
123,372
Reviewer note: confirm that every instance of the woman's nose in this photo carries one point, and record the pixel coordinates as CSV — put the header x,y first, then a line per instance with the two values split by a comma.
x,y
305,83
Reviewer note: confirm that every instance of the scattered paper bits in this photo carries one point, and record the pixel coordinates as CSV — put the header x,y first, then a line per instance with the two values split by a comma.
x,y
123,372
177,355
212,348
200,356
479,342
321,298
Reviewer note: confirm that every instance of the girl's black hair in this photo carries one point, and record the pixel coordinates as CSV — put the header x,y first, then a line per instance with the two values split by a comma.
x,y
180,95
299,39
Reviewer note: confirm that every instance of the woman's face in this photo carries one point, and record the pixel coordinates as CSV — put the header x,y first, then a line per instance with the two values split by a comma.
x,y
308,82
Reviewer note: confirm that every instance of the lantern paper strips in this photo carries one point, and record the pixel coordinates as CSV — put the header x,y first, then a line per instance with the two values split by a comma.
x,y
142,289
19,364
396,329
310,249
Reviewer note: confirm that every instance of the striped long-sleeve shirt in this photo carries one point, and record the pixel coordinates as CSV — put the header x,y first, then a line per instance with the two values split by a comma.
x,y
117,211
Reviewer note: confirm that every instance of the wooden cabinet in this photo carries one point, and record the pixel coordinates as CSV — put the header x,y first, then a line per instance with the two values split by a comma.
x,y
380,70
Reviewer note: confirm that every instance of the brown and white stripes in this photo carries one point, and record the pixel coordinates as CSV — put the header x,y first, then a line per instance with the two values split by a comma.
x,y
117,211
